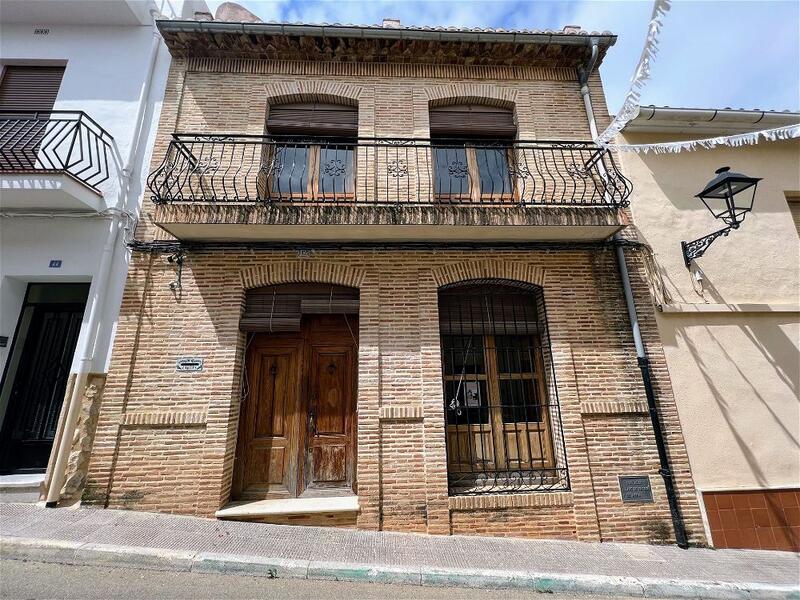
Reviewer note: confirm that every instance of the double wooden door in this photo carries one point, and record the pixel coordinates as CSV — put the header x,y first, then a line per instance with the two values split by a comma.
x,y
298,423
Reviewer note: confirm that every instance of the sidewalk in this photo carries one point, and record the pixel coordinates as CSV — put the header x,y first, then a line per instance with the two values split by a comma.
x,y
165,542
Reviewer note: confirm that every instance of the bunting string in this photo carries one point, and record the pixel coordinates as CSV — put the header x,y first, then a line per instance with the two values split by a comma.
x,y
740,139
630,107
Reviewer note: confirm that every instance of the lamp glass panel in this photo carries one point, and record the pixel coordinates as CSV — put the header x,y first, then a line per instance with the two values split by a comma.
x,y
718,206
744,201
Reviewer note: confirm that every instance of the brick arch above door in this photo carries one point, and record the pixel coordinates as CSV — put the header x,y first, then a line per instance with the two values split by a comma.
x,y
300,271
488,269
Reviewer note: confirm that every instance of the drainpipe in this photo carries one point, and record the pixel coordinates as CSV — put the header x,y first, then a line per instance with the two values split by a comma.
x,y
583,80
87,344
644,366
86,352
641,354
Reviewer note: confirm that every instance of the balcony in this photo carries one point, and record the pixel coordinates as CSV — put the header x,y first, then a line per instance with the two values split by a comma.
x,y
52,161
270,188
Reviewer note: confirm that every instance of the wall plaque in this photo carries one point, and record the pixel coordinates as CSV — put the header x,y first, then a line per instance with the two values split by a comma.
x,y
635,488
189,364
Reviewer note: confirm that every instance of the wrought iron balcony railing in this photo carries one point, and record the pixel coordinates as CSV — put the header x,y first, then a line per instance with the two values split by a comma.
x,y
273,169
54,141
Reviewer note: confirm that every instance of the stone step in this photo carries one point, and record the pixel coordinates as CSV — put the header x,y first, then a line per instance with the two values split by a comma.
x,y
21,488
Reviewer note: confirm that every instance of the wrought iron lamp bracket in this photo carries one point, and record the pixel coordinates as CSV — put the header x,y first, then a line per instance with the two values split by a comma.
x,y
696,248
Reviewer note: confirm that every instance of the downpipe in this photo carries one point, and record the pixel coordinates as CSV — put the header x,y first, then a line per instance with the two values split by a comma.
x,y
652,409
641,355
87,350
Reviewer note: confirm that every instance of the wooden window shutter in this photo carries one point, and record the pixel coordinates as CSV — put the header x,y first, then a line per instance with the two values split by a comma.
x,y
471,120
29,88
313,119
278,308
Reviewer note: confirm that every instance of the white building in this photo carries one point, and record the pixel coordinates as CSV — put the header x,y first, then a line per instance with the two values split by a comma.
x,y
81,85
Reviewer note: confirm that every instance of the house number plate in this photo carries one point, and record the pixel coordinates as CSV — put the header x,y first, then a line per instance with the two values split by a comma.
x,y
189,364
635,488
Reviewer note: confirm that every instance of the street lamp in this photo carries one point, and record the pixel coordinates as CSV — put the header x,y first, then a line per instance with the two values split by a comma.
x,y
724,198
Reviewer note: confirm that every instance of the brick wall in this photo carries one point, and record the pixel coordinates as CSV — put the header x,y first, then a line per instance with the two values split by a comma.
x,y
166,441
184,463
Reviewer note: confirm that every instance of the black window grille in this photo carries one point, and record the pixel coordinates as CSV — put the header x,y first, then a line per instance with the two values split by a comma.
x,y
502,416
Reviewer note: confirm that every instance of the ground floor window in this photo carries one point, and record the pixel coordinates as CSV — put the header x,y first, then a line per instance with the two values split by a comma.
x,y
501,411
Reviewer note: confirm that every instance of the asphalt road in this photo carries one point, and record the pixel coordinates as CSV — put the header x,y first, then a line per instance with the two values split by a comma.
x,y
24,580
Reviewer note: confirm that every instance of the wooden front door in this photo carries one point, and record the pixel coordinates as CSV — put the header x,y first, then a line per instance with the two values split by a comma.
x,y
297,427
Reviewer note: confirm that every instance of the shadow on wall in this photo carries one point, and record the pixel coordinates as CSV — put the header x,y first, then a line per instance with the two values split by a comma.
x,y
680,176
777,349
782,354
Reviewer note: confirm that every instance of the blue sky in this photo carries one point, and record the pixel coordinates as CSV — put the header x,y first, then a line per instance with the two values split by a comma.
x,y
713,54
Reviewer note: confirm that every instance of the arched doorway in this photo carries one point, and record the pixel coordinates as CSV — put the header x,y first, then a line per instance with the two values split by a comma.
x,y
297,428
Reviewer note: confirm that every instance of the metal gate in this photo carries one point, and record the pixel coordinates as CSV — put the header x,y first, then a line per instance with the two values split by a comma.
x,y
44,344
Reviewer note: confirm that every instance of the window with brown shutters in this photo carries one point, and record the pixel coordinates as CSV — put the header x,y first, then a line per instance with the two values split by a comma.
x,y
471,152
313,155
472,121
29,88
27,95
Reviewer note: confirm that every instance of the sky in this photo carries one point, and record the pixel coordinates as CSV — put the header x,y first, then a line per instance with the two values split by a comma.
x,y
713,54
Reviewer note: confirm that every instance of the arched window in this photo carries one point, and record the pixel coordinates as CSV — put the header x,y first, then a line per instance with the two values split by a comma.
x,y
311,152
472,146
501,414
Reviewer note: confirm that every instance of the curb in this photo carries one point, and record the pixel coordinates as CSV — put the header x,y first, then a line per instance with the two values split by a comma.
x,y
108,555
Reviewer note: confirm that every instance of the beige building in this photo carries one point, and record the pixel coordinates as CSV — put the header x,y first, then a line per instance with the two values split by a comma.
x,y
730,324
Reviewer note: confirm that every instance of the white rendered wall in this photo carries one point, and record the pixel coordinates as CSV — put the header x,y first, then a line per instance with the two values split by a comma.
x,y
106,69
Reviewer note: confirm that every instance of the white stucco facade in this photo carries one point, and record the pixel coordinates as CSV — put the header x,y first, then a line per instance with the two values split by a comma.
x,y
108,63
730,325
57,227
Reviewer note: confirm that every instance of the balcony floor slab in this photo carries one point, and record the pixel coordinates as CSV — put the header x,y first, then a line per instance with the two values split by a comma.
x,y
51,191
388,223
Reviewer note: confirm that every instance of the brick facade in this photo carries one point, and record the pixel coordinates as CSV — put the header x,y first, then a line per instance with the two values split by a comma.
x,y
166,441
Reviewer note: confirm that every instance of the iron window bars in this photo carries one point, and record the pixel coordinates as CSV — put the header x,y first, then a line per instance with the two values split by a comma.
x,y
55,141
502,416
293,169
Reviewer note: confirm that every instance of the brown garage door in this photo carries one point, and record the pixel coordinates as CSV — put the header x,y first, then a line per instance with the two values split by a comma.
x,y
766,520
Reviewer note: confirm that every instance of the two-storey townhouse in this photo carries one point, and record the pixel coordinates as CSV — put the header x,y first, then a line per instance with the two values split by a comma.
x,y
730,322
80,91
376,287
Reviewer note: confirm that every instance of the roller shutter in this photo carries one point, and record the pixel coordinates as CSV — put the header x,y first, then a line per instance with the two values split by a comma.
x,y
313,119
279,307
472,120
29,88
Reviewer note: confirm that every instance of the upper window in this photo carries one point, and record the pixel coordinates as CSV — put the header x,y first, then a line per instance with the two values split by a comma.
x,y
311,154
498,410
32,90
29,88
471,152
